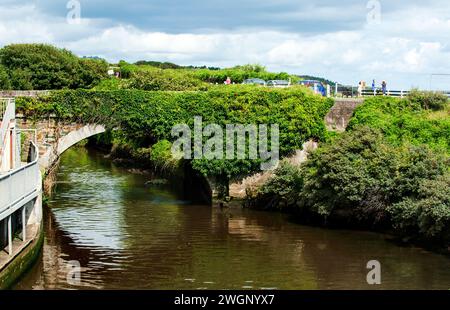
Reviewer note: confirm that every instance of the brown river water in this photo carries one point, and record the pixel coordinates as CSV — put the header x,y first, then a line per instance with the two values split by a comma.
x,y
126,235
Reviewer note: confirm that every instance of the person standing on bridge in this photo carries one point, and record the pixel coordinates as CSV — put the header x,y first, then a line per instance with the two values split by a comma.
x,y
374,88
384,88
360,88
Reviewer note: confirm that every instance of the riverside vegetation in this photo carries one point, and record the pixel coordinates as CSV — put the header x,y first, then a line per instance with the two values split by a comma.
x,y
390,171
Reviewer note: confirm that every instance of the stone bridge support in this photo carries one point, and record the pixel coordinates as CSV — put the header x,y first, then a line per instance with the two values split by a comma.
x,y
341,113
336,120
54,138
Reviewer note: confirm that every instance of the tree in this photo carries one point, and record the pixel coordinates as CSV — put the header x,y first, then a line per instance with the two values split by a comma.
x,y
4,78
40,66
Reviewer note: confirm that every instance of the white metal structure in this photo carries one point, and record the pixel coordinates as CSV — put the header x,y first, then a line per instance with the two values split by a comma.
x,y
393,93
7,134
20,185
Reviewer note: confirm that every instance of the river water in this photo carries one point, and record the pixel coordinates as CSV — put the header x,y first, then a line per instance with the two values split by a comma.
x,y
126,235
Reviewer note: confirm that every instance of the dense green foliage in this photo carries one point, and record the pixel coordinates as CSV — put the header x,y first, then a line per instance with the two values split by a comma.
x,y
158,64
160,77
428,100
391,170
375,184
145,118
408,120
4,78
168,80
40,66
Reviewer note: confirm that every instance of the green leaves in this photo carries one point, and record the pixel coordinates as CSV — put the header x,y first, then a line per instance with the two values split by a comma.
x,y
147,117
5,83
373,182
43,67
407,120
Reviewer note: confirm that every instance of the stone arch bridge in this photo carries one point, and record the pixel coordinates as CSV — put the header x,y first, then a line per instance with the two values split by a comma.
x,y
54,138
21,180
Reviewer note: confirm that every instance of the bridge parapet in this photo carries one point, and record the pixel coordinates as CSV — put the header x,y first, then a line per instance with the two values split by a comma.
x,y
54,138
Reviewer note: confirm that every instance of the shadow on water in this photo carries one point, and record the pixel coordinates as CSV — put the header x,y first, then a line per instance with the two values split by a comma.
x,y
127,235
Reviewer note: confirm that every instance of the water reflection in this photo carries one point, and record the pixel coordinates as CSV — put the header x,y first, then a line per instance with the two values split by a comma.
x,y
127,235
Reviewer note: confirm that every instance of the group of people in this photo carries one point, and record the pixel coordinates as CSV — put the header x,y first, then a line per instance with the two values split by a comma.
x,y
362,86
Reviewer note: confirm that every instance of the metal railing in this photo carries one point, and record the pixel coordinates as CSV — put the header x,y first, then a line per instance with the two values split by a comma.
x,y
3,104
8,114
393,93
20,185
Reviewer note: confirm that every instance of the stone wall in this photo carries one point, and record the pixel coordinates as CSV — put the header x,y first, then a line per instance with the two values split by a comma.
x,y
341,113
53,137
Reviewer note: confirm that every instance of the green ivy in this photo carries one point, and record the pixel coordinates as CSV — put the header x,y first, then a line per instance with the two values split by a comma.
x,y
146,117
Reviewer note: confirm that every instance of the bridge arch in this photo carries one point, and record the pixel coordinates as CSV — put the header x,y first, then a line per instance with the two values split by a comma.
x,y
66,141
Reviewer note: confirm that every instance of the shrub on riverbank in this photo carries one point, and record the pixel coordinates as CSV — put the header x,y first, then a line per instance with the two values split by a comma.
x,y
428,100
390,171
362,179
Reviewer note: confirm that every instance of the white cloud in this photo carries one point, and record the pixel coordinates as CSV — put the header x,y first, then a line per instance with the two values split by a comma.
x,y
405,48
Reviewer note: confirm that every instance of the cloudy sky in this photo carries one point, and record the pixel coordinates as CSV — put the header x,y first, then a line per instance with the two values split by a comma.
x,y
402,41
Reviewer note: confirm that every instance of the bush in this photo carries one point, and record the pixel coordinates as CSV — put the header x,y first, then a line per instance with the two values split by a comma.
x,y
40,66
161,156
371,182
426,216
21,79
164,80
160,76
362,171
428,100
240,73
92,72
282,190
404,121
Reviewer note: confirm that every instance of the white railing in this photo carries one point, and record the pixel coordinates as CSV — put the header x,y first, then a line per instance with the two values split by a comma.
x,y
20,185
3,104
393,93
8,114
